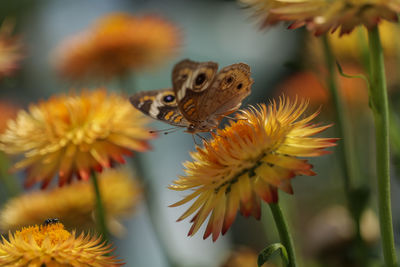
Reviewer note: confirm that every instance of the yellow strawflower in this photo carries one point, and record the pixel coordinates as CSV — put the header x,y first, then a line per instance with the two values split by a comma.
x,y
248,161
74,136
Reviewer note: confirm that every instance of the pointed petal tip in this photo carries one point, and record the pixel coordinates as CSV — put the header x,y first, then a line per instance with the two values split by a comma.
x,y
224,231
207,233
172,205
44,185
190,233
98,168
214,238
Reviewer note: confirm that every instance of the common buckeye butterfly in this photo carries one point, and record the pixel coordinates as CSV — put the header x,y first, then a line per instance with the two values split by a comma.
x,y
200,96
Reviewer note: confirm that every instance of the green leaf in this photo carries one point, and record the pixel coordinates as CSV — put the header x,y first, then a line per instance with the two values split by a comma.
x,y
267,252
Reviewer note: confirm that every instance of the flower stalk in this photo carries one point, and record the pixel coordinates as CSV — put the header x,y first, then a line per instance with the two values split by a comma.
x,y
346,155
100,211
394,133
380,108
284,233
10,182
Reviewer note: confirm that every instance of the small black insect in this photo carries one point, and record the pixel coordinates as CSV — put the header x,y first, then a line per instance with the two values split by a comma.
x,y
50,221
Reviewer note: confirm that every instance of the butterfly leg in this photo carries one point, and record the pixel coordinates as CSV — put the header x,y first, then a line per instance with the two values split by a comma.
x,y
194,140
229,117
201,137
235,119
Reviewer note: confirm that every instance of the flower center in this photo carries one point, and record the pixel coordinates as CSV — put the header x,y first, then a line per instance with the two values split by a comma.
x,y
55,232
250,170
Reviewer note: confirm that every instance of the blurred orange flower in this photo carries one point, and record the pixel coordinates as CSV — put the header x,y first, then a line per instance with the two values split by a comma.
x,y
243,257
75,205
321,16
117,44
8,112
10,50
248,161
52,245
74,135
306,84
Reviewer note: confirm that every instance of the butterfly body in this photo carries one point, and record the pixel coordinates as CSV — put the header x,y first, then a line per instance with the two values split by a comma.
x,y
200,96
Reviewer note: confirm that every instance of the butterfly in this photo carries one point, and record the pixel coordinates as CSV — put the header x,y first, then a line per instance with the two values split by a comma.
x,y
200,96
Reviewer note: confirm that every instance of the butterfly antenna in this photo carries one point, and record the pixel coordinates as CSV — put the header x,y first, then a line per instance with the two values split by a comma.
x,y
163,130
172,130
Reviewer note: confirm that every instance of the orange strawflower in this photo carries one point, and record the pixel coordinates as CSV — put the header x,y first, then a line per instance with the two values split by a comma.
x,y
52,245
117,44
75,205
321,16
248,161
74,135
10,50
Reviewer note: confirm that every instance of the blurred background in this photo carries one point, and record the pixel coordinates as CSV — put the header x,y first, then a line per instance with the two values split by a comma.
x,y
281,61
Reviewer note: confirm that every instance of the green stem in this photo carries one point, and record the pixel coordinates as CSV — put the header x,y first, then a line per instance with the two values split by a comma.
x,y
100,211
347,160
9,181
364,49
345,150
395,140
394,132
380,109
283,231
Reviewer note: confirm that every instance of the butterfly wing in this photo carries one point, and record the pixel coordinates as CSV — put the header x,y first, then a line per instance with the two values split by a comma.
x,y
231,85
160,105
191,80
